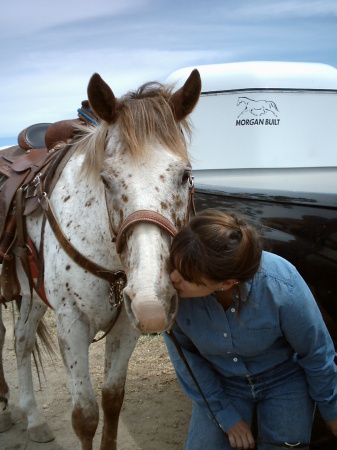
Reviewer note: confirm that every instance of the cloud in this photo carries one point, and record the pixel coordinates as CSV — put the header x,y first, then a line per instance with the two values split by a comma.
x,y
287,9
49,50
54,92
21,17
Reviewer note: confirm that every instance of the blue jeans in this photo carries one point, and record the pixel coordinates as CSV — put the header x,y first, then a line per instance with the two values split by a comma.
x,y
284,410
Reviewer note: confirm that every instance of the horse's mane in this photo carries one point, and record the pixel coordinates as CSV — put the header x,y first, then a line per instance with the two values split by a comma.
x,y
144,116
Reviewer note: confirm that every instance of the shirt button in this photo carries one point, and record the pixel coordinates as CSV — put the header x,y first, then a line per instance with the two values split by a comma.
x,y
225,334
233,309
235,359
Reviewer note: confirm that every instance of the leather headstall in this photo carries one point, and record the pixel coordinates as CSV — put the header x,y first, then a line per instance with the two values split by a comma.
x,y
117,279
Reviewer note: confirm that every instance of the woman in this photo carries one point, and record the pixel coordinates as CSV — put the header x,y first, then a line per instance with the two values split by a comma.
x,y
252,334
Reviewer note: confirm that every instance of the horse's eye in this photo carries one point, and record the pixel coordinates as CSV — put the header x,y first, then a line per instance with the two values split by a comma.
x,y
186,177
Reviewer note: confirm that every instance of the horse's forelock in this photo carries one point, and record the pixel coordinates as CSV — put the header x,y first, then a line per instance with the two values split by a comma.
x,y
146,116
148,90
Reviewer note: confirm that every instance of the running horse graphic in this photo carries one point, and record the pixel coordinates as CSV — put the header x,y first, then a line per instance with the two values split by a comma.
x,y
257,107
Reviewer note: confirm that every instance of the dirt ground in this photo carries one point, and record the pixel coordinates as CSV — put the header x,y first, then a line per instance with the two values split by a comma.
x,y
155,414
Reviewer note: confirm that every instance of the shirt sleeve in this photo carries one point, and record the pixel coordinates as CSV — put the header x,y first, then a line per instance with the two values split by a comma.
x,y
208,380
303,327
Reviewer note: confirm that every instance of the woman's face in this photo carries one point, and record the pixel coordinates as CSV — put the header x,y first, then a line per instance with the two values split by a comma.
x,y
188,289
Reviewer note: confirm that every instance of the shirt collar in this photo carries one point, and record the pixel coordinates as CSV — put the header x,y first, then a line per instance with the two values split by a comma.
x,y
245,289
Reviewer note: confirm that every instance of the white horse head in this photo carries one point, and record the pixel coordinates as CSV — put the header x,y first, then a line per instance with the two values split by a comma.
x,y
142,159
241,100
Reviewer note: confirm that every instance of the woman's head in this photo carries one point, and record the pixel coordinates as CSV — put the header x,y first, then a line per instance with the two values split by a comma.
x,y
217,246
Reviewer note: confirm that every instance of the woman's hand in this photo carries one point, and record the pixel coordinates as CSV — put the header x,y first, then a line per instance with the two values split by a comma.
x,y
240,436
332,425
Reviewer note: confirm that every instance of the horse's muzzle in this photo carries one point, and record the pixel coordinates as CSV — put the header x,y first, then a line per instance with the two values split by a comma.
x,y
150,315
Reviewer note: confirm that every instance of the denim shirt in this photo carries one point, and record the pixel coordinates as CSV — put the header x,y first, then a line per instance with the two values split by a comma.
x,y
279,320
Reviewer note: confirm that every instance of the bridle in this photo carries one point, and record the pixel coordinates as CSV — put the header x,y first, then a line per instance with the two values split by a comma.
x,y
117,279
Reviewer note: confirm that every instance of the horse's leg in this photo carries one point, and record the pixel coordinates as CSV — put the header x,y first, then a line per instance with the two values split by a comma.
x,y
25,339
120,343
74,340
5,415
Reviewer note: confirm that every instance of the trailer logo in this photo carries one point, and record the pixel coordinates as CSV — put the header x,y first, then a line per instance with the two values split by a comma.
x,y
256,108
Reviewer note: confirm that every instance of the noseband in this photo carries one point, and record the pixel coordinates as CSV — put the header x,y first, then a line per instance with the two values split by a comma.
x,y
143,216
151,217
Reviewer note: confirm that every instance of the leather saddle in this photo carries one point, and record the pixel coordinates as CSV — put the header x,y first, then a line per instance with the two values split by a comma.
x,y
34,136
20,165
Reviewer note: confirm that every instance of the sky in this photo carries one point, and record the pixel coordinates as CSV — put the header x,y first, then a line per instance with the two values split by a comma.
x,y
49,50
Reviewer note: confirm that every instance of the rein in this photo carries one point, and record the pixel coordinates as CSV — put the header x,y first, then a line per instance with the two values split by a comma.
x,y
188,367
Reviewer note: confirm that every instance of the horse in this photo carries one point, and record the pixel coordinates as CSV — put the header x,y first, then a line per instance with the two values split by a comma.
x,y
257,107
118,199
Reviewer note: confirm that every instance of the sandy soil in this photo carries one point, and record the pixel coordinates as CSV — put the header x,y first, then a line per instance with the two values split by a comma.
x,y
155,414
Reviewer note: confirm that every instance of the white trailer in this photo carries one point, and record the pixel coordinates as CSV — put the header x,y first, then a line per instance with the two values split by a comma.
x,y
266,125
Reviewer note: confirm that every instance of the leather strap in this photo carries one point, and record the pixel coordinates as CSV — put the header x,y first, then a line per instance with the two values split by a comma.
x,y
56,166
22,242
8,237
10,286
110,326
78,257
188,367
40,258
191,205
152,217
144,216
34,270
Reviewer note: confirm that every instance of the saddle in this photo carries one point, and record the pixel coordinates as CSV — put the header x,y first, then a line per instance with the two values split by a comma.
x,y
20,165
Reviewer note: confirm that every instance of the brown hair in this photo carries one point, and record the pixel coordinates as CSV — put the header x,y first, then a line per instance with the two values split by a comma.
x,y
218,246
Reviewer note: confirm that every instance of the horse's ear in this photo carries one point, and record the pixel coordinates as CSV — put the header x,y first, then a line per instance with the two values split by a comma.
x,y
101,98
184,100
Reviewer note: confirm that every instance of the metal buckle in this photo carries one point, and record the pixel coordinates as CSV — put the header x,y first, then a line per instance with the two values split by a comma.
x,y
37,179
116,289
